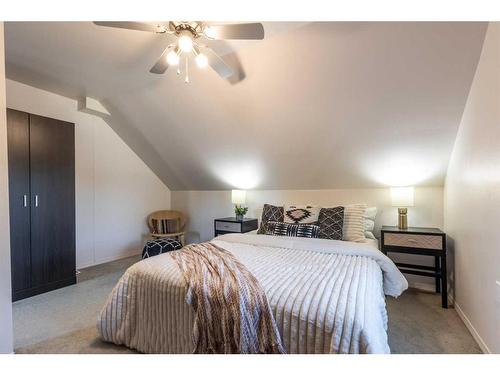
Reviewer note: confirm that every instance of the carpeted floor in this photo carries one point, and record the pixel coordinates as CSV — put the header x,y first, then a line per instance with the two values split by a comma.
x,y
63,321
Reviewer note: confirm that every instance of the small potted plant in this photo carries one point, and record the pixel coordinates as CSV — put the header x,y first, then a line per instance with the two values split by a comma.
x,y
240,212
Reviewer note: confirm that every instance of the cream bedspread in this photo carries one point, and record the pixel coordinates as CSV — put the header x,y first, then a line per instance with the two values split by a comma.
x,y
326,296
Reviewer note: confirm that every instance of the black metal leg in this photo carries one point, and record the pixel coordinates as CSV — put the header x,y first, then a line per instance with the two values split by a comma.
x,y
437,265
444,283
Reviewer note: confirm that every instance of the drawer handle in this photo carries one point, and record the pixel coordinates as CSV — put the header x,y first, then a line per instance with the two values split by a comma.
x,y
412,240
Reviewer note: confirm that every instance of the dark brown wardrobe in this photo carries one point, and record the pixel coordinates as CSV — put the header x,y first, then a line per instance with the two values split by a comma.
x,y
41,155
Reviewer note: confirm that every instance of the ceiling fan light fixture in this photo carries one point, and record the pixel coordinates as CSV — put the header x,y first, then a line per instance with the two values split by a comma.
x,y
185,43
172,58
201,60
187,34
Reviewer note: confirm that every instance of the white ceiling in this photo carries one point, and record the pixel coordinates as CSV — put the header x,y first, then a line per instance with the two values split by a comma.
x,y
320,105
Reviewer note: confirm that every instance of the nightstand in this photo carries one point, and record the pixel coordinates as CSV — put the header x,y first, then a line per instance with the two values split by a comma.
x,y
421,241
231,225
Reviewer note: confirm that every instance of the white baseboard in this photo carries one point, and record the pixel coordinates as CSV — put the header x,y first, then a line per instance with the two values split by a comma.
x,y
111,259
472,330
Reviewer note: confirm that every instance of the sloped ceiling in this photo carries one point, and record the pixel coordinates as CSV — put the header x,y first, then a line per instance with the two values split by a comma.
x,y
317,105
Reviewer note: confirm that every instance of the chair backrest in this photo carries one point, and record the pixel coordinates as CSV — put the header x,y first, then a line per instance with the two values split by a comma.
x,y
166,221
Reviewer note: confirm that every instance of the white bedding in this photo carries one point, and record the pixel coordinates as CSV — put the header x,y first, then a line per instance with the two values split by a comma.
x,y
372,242
326,296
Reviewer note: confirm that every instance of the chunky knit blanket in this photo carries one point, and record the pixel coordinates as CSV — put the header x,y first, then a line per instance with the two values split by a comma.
x,y
232,314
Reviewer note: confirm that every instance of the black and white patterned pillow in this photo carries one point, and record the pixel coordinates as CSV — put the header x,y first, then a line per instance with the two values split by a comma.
x,y
270,213
159,246
301,214
275,228
331,222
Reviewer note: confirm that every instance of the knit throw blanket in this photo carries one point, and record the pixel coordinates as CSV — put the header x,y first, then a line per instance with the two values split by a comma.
x,y
232,313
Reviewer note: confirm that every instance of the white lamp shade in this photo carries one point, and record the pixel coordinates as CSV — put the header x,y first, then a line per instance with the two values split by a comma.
x,y
402,196
238,196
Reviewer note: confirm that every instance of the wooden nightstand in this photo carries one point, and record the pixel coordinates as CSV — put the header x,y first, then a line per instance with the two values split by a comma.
x,y
421,241
231,225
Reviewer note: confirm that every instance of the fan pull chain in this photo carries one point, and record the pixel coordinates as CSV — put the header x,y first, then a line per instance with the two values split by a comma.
x,y
178,69
186,80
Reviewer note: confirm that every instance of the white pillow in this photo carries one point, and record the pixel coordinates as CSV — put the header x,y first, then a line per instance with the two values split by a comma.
x,y
370,214
301,214
354,223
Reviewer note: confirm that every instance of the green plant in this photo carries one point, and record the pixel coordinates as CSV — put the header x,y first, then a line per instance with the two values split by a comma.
x,y
239,210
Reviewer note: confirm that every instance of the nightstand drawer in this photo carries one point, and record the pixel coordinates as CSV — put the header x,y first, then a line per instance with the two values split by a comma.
x,y
227,227
420,241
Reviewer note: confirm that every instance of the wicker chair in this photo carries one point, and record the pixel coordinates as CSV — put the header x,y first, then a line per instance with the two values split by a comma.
x,y
167,224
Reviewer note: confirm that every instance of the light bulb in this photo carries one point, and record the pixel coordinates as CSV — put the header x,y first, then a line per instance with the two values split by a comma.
x,y
172,58
185,43
201,60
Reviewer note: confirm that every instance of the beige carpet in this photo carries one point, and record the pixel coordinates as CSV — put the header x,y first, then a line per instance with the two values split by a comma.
x,y
63,321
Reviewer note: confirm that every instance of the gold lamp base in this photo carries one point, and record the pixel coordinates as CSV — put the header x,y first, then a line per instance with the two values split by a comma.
x,y
403,218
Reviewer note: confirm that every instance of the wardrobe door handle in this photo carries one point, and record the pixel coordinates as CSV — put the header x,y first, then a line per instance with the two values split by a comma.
x,y
36,200
25,200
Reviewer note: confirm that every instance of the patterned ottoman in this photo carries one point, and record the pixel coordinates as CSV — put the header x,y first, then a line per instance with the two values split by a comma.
x,y
159,246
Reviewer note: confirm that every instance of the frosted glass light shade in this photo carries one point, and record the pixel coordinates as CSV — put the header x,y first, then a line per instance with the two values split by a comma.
x,y
185,43
402,196
172,58
238,196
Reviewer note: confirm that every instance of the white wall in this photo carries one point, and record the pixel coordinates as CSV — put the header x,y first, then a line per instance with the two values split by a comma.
x,y
115,190
472,200
5,289
202,207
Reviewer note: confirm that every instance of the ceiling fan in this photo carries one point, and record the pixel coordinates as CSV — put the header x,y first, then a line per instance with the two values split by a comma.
x,y
189,41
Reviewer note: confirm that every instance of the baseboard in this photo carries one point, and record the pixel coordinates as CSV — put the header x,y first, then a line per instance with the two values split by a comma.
x,y
472,330
112,258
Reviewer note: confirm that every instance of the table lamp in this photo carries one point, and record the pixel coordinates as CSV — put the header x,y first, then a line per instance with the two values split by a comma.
x,y
402,197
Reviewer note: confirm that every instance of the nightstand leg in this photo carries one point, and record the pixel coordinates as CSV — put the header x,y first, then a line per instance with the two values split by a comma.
x,y
437,265
444,283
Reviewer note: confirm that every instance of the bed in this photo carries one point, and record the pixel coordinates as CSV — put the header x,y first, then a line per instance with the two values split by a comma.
x,y
326,296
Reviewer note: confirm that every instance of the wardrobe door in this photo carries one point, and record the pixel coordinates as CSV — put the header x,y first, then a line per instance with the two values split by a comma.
x,y
19,199
52,159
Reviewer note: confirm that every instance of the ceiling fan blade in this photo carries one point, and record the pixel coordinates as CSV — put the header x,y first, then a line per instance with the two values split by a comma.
x,y
141,26
161,65
217,64
235,31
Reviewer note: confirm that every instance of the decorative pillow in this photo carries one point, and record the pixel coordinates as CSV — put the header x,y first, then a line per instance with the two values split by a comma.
x,y
270,213
159,246
275,228
330,223
301,214
354,223
370,214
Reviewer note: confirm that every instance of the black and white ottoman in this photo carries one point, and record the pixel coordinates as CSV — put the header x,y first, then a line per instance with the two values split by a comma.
x,y
159,246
